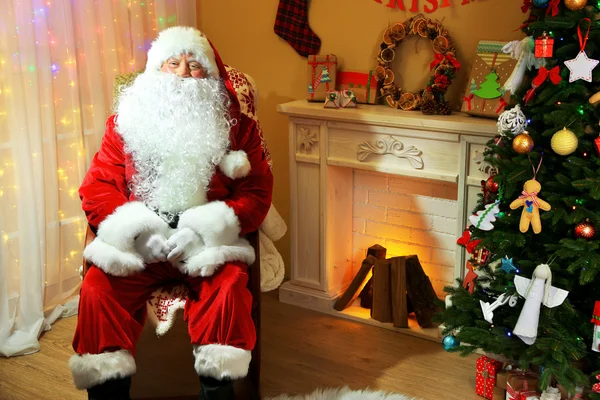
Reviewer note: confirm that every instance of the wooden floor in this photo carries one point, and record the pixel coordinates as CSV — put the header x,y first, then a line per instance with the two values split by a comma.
x,y
302,351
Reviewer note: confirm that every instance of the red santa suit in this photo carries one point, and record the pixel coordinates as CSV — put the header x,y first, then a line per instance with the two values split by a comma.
x,y
113,298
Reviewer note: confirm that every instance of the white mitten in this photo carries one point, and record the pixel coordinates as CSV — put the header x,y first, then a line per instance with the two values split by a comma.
x,y
183,244
152,247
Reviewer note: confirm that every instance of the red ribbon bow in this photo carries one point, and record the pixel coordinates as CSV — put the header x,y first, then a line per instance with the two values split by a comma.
x,y
438,59
533,196
553,7
468,99
541,77
543,74
526,6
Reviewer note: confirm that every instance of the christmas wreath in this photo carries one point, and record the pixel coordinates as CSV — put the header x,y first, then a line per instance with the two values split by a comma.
x,y
430,100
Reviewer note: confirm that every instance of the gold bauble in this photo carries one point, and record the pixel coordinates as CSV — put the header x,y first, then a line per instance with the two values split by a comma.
x,y
522,143
564,142
575,5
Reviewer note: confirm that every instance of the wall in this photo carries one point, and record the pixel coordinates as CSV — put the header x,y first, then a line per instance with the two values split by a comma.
x,y
243,33
407,216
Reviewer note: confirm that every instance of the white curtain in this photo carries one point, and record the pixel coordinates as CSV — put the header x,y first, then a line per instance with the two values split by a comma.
x,y
58,59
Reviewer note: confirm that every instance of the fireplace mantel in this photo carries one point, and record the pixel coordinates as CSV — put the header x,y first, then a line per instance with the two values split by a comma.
x,y
326,145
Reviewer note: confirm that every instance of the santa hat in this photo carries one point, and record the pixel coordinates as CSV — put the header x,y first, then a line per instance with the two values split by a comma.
x,y
182,39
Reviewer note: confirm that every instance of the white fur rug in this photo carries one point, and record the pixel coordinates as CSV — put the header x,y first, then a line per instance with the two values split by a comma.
x,y
345,394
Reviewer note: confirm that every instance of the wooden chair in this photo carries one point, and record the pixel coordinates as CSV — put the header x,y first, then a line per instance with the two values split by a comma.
x,y
165,366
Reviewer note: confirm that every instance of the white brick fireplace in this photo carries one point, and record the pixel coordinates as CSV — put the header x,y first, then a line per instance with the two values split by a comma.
x,y
376,175
406,216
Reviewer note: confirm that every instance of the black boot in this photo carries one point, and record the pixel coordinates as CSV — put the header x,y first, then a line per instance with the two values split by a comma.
x,y
214,389
114,389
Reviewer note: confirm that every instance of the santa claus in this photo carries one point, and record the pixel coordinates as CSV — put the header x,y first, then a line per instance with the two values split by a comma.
x,y
180,178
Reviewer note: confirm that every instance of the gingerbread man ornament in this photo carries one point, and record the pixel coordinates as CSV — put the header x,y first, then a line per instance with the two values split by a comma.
x,y
531,204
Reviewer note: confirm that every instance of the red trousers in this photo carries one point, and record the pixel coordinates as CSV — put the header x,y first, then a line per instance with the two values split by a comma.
x,y
112,310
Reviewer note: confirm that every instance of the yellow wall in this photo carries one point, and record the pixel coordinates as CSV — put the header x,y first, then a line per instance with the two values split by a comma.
x,y
242,32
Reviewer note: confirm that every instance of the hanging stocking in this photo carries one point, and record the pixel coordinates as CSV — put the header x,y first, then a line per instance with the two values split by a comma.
x,y
291,24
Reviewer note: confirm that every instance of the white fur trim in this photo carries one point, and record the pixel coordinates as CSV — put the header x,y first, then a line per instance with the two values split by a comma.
x,y
93,369
181,39
235,164
210,259
113,248
221,361
215,222
112,260
344,393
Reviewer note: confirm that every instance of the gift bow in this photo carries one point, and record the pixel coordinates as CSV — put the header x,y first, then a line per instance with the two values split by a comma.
x,y
526,6
544,73
438,59
541,77
553,7
533,196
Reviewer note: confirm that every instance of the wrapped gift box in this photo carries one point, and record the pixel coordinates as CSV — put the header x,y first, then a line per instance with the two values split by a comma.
x,y
487,369
363,85
322,75
521,386
484,95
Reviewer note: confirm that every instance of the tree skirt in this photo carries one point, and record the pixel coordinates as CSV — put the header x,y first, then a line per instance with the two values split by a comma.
x,y
345,394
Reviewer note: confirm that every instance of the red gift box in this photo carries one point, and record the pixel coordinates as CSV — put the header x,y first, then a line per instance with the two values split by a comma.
x,y
487,369
544,46
364,85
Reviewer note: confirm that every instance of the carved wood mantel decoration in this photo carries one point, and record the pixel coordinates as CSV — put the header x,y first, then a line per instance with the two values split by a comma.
x,y
390,145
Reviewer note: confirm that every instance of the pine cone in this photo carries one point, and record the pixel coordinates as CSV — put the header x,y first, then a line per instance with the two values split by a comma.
x,y
443,108
428,107
432,34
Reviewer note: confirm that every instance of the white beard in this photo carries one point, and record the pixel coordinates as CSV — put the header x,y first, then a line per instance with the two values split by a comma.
x,y
177,131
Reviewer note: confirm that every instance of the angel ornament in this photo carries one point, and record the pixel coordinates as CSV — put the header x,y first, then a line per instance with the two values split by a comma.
x,y
531,204
537,291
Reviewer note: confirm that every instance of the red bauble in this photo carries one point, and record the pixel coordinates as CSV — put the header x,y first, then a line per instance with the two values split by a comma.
x,y
585,230
491,185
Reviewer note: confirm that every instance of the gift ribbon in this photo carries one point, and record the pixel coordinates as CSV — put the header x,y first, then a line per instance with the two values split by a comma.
x,y
526,6
501,105
543,74
468,99
553,7
486,375
438,59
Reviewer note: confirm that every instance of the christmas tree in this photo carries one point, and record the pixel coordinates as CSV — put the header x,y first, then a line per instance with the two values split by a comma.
x,y
489,88
547,192
325,75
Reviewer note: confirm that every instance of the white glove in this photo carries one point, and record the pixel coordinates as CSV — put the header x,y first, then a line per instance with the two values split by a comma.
x,y
152,247
182,244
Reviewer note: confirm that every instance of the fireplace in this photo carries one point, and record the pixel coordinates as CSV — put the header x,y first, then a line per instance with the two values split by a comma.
x,y
406,216
375,175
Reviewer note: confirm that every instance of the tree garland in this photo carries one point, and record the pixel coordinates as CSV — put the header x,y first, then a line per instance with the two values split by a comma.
x,y
430,100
